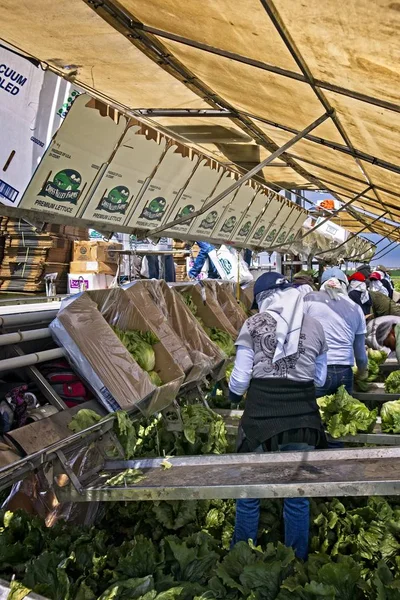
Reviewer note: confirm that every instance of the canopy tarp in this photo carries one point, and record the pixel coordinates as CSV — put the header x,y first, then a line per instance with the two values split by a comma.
x,y
269,69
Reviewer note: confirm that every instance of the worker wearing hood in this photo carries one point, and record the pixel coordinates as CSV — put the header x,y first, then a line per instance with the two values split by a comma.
x,y
281,356
303,281
357,290
384,333
344,327
377,283
386,278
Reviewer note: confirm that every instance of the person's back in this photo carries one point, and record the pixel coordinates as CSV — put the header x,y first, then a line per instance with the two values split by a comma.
x,y
341,319
383,306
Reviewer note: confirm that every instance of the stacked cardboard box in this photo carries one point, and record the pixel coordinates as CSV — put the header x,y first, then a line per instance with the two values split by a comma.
x,y
94,264
30,254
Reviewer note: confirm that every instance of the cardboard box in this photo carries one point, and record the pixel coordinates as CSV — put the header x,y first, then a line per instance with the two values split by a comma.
x,y
94,250
164,188
208,308
79,282
126,174
30,114
206,356
63,181
138,293
119,311
206,223
234,212
227,301
200,187
97,354
79,266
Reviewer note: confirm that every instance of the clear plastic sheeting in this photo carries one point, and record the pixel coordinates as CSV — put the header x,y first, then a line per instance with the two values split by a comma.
x,y
100,358
119,311
206,358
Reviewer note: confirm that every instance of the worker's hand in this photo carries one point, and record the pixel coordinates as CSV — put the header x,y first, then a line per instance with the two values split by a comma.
x,y
362,375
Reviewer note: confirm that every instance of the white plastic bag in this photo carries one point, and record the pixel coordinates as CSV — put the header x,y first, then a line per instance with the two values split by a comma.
x,y
225,261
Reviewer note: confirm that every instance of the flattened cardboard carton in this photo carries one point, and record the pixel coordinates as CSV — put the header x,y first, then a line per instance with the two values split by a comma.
x,y
272,208
199,188
62,183
233,213
129,170
141,298
165,187
227,301
93,266
119,311
208,308
278,225
206,356
250,218
205,224
291,226
99,357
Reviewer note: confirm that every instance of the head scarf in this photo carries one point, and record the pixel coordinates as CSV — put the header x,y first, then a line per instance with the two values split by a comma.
x,y
286,307
378,330
333,287
303,279
334,272
359,286
376,284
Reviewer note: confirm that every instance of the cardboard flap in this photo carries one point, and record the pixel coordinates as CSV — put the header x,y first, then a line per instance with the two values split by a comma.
x,y
99,356
206,355
227,302
208,308
119,311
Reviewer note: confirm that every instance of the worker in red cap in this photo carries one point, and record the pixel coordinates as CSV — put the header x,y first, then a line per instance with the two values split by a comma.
x,y
357,290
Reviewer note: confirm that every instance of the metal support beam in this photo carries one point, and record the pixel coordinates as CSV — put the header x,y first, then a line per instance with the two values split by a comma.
x,y
47,390
245,177
182,112
127,24
382,252
335,212
262,65
275,17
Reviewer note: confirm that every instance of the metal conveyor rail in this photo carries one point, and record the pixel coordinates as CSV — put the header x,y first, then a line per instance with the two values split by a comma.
x,y
347,472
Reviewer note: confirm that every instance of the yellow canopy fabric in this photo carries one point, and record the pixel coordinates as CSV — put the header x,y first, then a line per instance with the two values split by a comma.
x,y
275,66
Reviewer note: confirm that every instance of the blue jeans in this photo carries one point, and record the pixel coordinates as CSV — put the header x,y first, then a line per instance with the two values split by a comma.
x,y
154,267
296,516
337,375
201,258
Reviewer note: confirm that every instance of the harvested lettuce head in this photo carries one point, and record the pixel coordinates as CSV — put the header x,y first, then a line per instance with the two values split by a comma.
x,y
344,415
377,356
223,340
140,345
392,383
155,378
390,415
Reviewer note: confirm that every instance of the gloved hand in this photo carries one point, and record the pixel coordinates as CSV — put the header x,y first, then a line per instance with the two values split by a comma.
x,y
362,375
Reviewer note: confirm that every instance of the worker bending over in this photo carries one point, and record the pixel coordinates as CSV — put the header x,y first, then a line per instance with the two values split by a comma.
x,y
345,328
384,332
281,355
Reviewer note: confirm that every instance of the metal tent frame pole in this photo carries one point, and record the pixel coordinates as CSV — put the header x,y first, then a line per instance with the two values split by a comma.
x,y
335,212
245,177
353,235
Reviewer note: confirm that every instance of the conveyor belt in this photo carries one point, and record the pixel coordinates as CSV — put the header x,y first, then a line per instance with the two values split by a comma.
x,y
377,437
348,472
